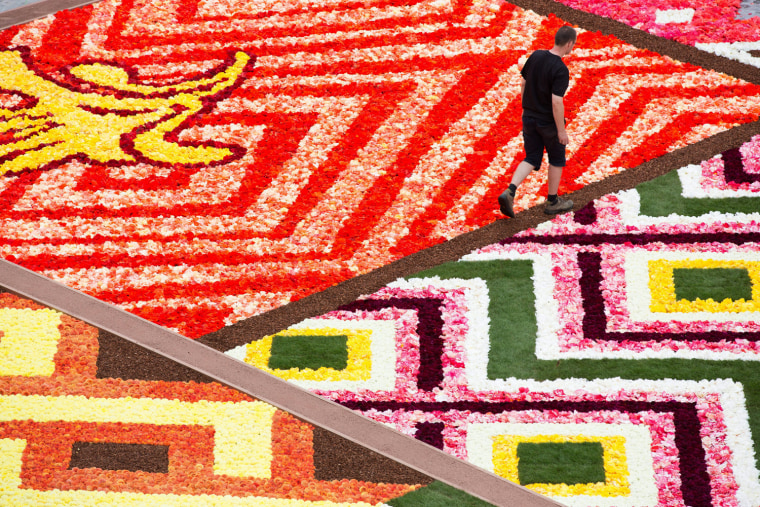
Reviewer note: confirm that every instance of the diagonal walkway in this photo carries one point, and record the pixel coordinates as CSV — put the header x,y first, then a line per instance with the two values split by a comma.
x,y
260,385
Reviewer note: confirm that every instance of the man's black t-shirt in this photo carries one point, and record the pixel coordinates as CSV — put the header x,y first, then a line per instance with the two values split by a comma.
x,y
545,75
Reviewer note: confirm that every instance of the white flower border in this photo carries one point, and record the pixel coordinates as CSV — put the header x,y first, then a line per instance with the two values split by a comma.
x,y
638,443
382,347
732,400
691,182
637,282
666,16
630,214
476,340
739,51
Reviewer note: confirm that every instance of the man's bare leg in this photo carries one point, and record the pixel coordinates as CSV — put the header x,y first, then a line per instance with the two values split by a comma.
x,y
555,175
522,172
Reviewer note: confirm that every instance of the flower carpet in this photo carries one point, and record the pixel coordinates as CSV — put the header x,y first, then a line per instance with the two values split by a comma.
x,y
729,28
202,163
163,436
198,163
608,357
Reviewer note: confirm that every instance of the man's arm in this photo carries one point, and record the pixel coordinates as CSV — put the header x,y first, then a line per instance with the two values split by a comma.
x,y
522,89
558,110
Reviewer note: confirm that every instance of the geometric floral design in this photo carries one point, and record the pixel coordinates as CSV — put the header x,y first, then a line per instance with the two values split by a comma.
x,y
191,442
517,341
666,422
458,401
729,28
338,137
370,348
617,441
257,154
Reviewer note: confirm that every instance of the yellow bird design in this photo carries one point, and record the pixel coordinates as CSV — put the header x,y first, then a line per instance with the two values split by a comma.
x,y
128,122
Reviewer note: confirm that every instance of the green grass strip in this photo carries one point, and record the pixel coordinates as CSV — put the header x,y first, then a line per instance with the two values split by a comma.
x,y
438,494
513,310
661,197
305,351
712,283
560,463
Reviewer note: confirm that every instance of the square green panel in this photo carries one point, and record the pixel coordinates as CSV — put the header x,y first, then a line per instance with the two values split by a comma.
x,y
712,283
309,351
560,463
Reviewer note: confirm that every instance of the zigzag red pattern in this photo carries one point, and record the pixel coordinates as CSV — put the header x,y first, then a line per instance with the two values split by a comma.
x,y
368,131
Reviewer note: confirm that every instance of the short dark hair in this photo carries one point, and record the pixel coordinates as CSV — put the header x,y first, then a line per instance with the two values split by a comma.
x,y
564,35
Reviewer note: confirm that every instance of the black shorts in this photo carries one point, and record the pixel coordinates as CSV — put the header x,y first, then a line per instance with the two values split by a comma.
x,y
539,135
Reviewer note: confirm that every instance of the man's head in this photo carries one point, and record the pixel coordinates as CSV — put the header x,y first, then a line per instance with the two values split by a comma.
x,y
564,39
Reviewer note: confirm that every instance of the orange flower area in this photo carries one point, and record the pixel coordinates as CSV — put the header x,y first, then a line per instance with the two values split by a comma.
x,y
51,413
198,163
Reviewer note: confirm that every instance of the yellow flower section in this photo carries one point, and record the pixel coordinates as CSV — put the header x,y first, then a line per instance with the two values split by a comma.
x,y
242,430
663,292
29,341
10,464
505,462
65,122
359,364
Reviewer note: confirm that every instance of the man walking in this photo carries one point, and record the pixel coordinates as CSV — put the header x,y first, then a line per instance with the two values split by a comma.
x,y
544,83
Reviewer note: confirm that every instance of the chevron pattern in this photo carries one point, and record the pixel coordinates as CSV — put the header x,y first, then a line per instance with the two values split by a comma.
x,y
360,132
626,332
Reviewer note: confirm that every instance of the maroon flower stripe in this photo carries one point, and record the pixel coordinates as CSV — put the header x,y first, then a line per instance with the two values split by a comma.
x,y
595,322
695,480
18,153
26,101
733,167
16,135
586,215
636,239
429,329
431,433
127,141
228,59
